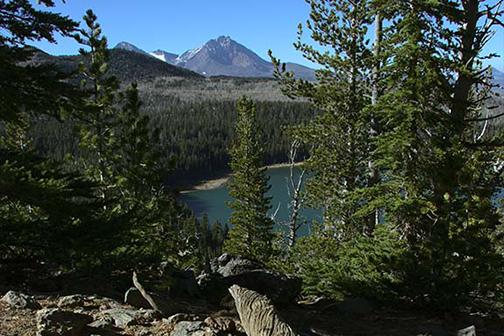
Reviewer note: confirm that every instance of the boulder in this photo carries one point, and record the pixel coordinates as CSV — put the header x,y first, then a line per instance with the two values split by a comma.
x,y
184,284
71,301
221,323
469,331
192,328
281,289
174,319
228,265
20,301
103,322
58,322
122,317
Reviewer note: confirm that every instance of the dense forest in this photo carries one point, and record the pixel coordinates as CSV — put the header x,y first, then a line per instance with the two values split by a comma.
x,y
195,115
195,133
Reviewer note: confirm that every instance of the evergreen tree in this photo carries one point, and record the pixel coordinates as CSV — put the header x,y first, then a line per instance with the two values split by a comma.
x,y
122,155
431,169
98,118
251,233
43,206
439,176
338,136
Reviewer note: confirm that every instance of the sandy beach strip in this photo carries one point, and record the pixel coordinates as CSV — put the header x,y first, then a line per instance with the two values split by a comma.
x,y
219,182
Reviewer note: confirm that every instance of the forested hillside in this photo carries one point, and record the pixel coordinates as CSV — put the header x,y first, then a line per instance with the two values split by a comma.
x,y
195,115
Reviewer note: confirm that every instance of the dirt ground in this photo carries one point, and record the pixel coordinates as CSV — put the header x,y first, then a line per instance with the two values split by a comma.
x,y
312,320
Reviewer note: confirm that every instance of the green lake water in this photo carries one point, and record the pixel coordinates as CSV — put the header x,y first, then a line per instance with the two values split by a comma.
x,y
214,202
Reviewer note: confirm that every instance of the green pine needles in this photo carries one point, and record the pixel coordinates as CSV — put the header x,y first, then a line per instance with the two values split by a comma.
x,y
251,233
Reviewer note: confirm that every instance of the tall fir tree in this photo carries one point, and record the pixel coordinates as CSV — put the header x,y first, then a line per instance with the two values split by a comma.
x,y
98,118
439,177
43,206
251,233
121,153
338,136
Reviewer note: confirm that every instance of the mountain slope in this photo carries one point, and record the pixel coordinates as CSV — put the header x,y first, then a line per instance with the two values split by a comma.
x,y
223,56
132,66
130,47
127,66
498,78
164,56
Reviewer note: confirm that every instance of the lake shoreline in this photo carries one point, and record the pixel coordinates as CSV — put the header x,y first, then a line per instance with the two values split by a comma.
x,y
221,181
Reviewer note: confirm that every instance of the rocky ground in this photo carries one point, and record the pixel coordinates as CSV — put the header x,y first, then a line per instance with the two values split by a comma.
x,y
211,311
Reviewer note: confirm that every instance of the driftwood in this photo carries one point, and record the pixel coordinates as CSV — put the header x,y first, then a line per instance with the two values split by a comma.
x,y
144,293
257,314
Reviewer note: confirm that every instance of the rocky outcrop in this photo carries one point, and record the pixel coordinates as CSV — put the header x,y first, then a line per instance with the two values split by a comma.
x,y
187,325
228,265
20,301
229,270
186,328
258,315
71,301
58,322
122,317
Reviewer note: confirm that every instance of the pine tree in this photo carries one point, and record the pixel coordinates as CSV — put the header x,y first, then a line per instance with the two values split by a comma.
x,y
98,118
251,233
43,206
438,176
338,136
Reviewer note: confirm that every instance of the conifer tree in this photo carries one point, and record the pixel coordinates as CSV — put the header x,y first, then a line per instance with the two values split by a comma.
x,y
43,206
439,175
251,233
98,118
338,136
121,153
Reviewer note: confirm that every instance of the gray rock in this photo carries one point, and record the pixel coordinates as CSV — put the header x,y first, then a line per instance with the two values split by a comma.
x,y
230,265
57,322
134,298
122,317
281,289
174,319
147,315
221,323
20,300
187,328
104,322
223,259
71,301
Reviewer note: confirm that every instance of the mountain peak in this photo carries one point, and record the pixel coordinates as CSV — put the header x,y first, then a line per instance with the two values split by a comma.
x,y
225,41
129,46
221,56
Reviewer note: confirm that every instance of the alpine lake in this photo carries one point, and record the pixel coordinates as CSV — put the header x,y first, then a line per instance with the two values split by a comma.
x,y
214,201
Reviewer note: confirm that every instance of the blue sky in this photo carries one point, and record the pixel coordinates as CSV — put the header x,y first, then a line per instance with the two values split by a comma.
x,y
179,25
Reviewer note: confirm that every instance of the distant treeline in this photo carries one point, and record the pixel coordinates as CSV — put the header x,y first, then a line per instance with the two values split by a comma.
x,y
195,134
